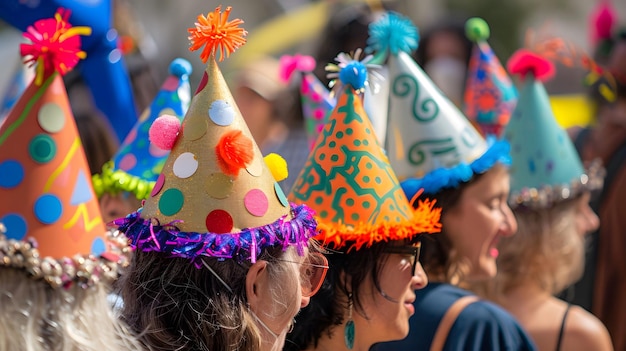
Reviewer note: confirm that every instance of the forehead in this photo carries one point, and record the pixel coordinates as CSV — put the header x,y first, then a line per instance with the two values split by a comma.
x,y
495,181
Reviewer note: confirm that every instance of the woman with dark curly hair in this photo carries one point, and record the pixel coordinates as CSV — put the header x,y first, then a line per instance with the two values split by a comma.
x,y
368,226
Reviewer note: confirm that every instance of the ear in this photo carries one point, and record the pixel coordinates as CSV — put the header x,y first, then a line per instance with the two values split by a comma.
x,y
345,280
256,281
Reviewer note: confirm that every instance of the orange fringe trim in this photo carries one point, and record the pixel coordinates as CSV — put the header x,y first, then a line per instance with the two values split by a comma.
x,y
426,220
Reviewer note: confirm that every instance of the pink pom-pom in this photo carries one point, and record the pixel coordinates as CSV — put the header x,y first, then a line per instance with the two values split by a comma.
x,y
291,64
524,62
164,131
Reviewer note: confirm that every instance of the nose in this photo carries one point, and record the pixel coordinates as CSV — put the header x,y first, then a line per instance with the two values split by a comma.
x,y
591,222
419,279
304,301
510,223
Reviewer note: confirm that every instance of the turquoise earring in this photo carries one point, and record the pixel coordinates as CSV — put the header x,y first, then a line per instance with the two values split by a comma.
x,y
348,332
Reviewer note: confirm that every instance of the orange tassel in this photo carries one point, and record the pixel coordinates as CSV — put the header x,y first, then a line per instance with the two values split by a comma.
x,y
234,151
216,34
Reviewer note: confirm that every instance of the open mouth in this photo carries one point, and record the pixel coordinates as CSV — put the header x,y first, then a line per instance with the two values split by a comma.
x,y
409,306
493,248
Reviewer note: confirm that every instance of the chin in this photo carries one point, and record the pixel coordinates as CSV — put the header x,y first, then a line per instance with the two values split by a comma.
x,y
487,270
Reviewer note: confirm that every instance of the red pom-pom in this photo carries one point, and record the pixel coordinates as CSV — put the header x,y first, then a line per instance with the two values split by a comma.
x,y
524,62
291,64
234,151
164,131
602,19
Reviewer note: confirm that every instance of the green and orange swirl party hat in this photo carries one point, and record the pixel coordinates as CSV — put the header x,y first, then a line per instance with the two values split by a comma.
x,y
216,196
348,181
45,187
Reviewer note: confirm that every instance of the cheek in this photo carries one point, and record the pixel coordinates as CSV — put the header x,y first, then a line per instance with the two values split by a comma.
x,y
472,231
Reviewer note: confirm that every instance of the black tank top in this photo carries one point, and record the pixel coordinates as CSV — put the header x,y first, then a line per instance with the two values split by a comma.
x,y
558,342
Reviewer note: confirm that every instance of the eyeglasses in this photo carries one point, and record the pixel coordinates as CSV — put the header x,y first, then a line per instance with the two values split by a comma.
x,y
413,250
312,273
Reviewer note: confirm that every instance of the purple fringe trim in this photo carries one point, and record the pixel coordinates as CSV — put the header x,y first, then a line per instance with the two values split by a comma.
x,y
147,235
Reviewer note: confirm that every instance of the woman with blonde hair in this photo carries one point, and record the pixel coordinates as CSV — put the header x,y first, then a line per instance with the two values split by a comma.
x,y
57,261
222,259
369,227
550,198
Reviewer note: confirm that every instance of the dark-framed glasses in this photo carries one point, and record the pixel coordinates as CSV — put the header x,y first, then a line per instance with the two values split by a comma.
x,y
409,250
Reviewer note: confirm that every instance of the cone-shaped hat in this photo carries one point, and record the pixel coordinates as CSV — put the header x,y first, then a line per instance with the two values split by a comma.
x,y
490,95
137,164
545,166
431,145
44,176
216,196
348,181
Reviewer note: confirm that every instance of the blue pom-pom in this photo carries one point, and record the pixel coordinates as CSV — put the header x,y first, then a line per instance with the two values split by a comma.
x,y
394,33
354,74
180,67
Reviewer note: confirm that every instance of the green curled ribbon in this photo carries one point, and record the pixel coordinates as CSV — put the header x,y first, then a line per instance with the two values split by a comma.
x,y
115,181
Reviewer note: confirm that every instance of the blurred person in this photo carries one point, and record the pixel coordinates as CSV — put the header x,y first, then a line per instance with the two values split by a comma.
x,y
222,259
444,52
262,99
602,288
550,198
369,227
97,138
57,261
436,149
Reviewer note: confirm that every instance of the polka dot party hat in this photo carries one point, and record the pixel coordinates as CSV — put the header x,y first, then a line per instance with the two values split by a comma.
x,y
137,164
490,95
545,165
430,143
348,181
316,99
216,196
45,187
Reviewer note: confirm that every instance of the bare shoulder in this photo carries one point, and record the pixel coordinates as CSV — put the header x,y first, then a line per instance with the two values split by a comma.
x,y
583,331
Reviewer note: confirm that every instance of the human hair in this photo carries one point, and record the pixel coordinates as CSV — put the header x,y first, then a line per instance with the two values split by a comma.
x,y
347,273
454,25
438,256
37,317
546,249
173,305
97,139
